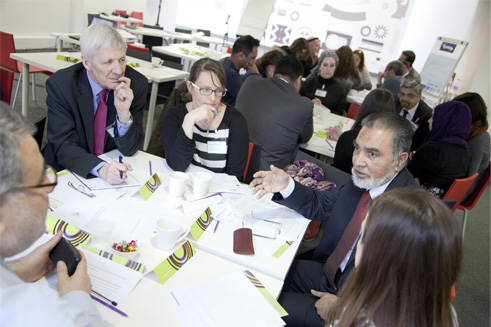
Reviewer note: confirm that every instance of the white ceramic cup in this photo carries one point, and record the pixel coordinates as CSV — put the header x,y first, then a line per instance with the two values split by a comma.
x,y
201,183
101,230
169,232
156,62
177,183
324,114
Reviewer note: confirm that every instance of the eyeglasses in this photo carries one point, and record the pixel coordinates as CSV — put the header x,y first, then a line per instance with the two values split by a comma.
x,y
207,92
50,175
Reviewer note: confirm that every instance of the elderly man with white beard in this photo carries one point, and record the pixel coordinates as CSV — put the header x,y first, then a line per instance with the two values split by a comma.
x,y
379,161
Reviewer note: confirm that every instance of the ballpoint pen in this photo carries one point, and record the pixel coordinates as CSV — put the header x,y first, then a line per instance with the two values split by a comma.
x,y
105,298
330,144
108,305
150,166
121,172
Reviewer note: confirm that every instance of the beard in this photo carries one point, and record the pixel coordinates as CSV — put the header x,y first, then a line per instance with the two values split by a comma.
x,y
371,183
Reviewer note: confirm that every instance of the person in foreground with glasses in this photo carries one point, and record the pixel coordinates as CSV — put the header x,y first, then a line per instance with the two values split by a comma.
x,y
25,181
206,131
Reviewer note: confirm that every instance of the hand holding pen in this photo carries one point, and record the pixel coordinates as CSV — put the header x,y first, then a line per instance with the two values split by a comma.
x,y
115,172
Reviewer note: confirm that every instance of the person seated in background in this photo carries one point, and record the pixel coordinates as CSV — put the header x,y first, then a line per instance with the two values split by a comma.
x,y
244,53
95,106
479,139
346,72
321,86
410,106
359,59
390,79
379,160
277,117
205,131
267,63
298,49
410,57
377,100
444,155
311,61
25,181
408,257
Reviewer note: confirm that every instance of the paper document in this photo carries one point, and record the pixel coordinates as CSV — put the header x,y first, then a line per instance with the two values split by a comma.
x,y
99,183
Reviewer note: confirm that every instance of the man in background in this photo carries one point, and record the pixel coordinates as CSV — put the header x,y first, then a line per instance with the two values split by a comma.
x,y
390,78
278,118
410,57
244,53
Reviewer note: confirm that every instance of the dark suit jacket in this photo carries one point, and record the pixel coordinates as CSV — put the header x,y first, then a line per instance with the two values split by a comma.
x,y
335,206
421,116
278,118
71,120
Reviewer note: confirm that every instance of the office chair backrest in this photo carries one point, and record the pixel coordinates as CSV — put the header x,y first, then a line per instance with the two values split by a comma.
x,y
151,41
471,201
206,33
7,82
139,54
458,189
7,46
182,30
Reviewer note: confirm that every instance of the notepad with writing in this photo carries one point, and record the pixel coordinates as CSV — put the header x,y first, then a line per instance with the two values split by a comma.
x,y
99,183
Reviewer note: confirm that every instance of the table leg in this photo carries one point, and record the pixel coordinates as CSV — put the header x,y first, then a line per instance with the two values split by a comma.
x,y
25,89
59,43
151,114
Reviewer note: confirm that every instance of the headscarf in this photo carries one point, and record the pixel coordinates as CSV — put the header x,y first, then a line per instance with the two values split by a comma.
x,y
326,54
451,123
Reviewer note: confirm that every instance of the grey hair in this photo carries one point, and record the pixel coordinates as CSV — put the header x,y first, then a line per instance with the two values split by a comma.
x,y
13,129
400,127
396,66
411,83
100,36
324,55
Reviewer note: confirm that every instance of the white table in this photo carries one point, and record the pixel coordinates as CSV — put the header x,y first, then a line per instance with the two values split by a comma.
x,y
48,61
159,33
65,37
145,304
319,144
190,53
357,97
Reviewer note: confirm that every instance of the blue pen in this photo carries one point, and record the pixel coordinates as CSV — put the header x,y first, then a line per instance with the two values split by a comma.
x,y
330,144
121,172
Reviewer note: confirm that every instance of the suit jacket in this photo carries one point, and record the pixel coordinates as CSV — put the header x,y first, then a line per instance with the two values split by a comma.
x,y
393,85
277,117
421,116
335,206
71,120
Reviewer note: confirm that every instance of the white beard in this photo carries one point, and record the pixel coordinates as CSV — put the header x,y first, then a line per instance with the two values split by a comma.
x,y
371,183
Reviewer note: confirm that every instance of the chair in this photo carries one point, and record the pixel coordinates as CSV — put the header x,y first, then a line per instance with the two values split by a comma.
x,y
252,165
7,46
7,82
151,41
182,30
136,48
121,13
471,201
458,189
206,33
353,111
139,54
138,15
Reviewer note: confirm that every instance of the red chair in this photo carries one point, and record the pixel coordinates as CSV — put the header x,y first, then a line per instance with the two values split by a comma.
x,y
353,111
138,15
7,82
120,12
471,201
136,48
458,189
252,165
7,46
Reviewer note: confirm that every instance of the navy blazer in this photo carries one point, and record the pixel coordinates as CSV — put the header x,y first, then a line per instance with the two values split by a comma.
x,y
335,206
70,129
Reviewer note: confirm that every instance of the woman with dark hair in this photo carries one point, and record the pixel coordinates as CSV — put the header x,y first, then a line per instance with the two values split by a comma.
x,y
378,100
206,131
359,59
346,72
408,257
299,49
267,63
479,139
322,88
444,155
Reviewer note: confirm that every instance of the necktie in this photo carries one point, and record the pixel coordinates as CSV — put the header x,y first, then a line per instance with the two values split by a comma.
x,y
347,240
404,114
100,123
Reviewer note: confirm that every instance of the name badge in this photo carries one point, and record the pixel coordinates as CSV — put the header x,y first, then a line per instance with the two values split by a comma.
x,y
320,93
218,147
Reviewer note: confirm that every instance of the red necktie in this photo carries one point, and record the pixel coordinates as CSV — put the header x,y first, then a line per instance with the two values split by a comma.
x,y
347,240
100,123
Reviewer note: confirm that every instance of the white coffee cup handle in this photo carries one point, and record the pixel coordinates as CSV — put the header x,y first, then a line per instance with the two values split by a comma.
x,y
183,234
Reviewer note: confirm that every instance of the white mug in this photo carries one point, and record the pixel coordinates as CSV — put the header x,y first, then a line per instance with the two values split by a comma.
x,y
156,62
177,183
201,184
169,232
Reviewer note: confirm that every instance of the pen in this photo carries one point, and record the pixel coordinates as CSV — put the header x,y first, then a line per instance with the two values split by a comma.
x,y
330,144
121,172
150,166
109,306
105,298
216,226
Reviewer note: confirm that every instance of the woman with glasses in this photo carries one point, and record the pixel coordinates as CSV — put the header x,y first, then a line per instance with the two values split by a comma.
x,y
205,131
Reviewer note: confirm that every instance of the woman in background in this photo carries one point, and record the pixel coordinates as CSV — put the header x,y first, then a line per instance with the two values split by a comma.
x,y
299,49
267,63
205,131
359,59
346,72
408,257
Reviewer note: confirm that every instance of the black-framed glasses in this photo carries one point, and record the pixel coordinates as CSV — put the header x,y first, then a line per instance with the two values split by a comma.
x,y
50,175
207,92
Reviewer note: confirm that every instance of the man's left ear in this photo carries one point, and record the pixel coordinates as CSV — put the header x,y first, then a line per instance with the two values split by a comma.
x,y
85,61
401,161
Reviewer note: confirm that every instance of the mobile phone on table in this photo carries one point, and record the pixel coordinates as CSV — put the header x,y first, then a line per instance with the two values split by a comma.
x,y
67,253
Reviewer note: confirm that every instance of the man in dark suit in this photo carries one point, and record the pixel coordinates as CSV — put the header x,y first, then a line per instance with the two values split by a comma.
x,y
379,160
94,107
410,57
272,106
410,106
390,79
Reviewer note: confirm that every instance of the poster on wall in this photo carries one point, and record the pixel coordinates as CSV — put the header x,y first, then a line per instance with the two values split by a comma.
x,y
375,26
